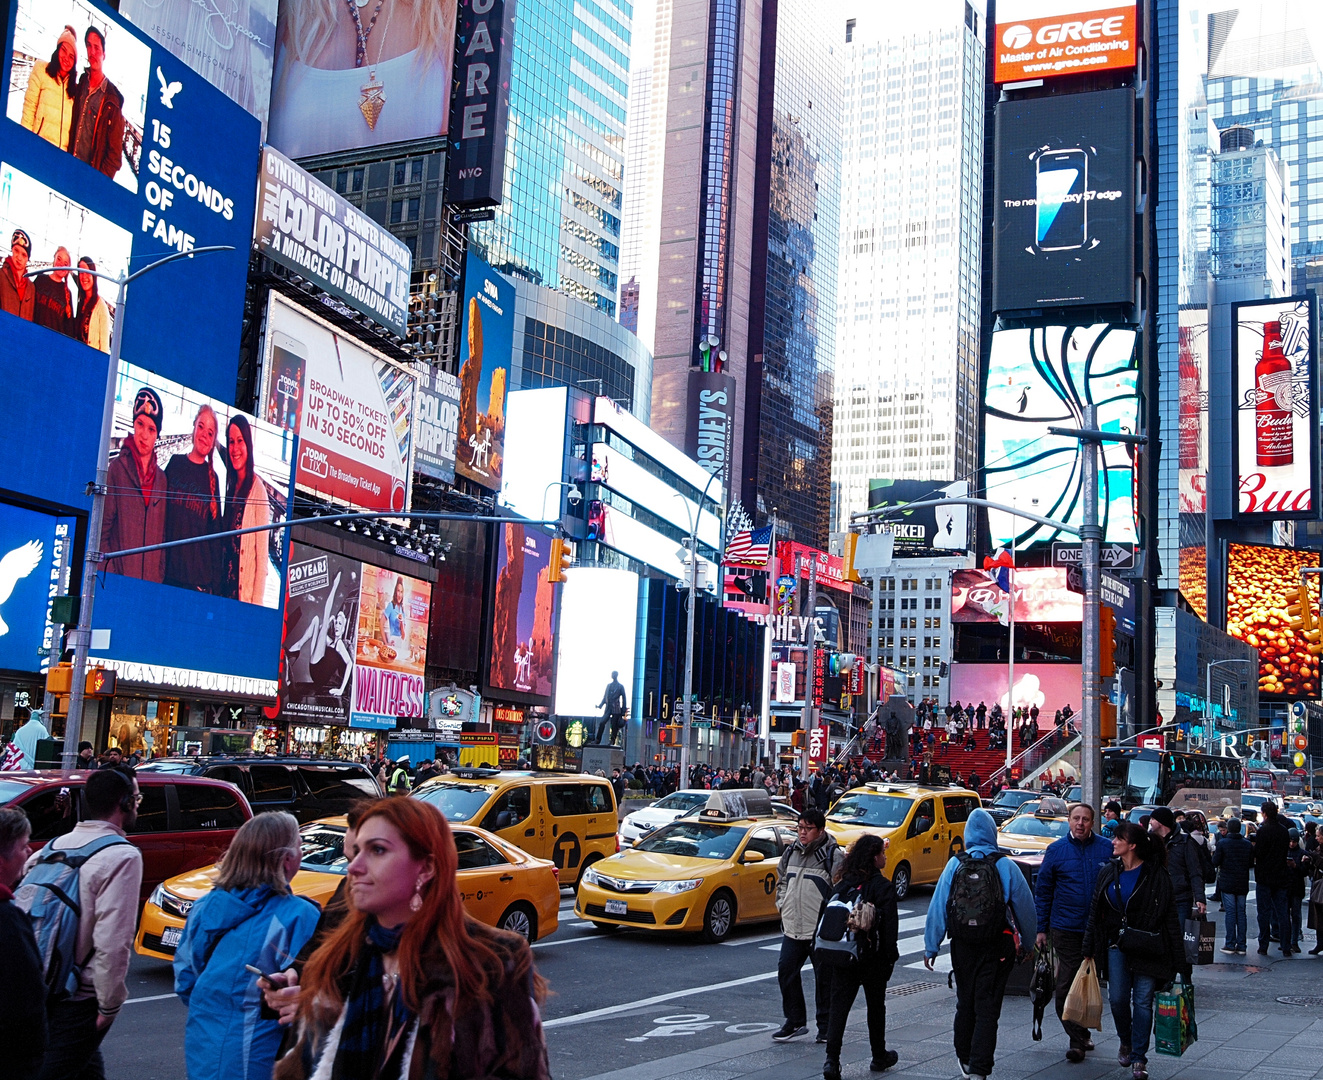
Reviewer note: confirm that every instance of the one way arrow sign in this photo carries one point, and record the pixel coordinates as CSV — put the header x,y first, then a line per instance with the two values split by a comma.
x,y
1114,556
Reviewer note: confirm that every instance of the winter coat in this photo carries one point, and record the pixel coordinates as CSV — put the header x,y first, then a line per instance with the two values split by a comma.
x,y
1233,857
130,521
11,300
48,106
1299,867
980,841
1152,908
1271,843
1064,888
879,947
22,993
502,1039
1186,866
226,1036
107,126
804,881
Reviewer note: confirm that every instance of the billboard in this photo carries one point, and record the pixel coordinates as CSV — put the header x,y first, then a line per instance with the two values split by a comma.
x,y
1041,596
1261,582
598,624
523,614
231,46
534,452
166,158
485,43
353,413
1040,39
1275,395
184,465
1049,686
390,654
321,631
1044,377
930,529
1064,204
436,424
338,86
1192,395
486,350
303,224
710,432
618,471
34,566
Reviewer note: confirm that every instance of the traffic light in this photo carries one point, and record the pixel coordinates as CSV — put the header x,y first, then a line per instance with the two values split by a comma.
x,y
797,740
669,735
59,680
1301,615
848,543
562,558
100,682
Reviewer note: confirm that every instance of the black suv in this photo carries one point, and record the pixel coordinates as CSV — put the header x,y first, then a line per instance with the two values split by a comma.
x,y
308,789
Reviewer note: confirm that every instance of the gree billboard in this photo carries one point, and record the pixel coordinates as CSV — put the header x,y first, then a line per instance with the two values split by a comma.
x,y
1040,39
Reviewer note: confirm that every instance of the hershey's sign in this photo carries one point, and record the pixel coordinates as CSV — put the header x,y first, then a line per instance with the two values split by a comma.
x,y
710,432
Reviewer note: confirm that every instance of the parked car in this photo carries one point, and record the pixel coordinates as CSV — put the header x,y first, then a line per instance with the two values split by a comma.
x,y
308,789
1006,803
183,821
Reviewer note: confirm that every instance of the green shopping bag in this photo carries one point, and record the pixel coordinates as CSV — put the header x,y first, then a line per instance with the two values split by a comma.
x,y
1174,1027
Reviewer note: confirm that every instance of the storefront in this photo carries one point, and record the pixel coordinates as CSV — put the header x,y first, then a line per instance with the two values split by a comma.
x,y
344,743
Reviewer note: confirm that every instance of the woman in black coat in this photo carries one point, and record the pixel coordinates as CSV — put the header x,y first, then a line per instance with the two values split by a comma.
x,y
1134,892
861,881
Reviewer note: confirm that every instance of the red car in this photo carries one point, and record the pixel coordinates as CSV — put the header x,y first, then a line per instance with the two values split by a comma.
x,y
184,822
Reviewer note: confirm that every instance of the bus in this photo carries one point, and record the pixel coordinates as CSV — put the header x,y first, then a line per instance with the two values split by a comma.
x,y
1143,776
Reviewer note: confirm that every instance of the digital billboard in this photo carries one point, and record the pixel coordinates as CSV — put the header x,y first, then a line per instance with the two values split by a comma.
x,y
184,465
485,44
1040,39
534,452
1048,686
231,45
710,431
321,632
436,424
598,624
1041,596
1261,582
523,614
1275,435
35,552
1064,203
1045,377
486,350
618,471
1192,395
391,651
303,224
342,82
353,415
929,529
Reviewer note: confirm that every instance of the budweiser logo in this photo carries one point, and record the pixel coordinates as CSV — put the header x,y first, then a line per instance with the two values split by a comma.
x,y
1271,420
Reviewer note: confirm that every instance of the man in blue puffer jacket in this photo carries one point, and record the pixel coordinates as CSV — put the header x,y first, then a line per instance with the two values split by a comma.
x,y
1062,896
981,968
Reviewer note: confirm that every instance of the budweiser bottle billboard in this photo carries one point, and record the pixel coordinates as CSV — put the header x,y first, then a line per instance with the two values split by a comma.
x,y
1188,382
1274,435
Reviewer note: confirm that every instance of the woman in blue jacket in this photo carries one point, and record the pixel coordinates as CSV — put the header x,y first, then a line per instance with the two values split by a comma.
x,y
250,917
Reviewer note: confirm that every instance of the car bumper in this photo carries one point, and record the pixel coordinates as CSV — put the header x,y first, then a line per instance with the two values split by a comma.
x,y
158,933
646,911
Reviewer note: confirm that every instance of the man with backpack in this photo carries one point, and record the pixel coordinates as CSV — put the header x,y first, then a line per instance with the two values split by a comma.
x,y
86,985
983,902
805,878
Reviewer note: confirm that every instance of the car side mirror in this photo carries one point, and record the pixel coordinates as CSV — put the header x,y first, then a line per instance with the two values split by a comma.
x,y
752,857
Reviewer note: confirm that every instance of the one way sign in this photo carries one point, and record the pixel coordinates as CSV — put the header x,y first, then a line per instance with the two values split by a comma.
x,y
1114,556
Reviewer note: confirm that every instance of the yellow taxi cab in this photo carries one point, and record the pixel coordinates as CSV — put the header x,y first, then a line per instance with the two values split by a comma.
x,y
1028,833
705,872
568,818
500,885
925,826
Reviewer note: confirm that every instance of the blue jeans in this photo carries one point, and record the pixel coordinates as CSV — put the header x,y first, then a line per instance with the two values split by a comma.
x,y
1272,916
1234,907
1131,997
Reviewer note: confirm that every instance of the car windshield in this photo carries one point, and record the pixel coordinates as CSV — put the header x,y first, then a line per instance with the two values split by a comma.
x,y
457,802
695,840
9,790
167,767
680,800
883,811
1036,826
323,849
1012,799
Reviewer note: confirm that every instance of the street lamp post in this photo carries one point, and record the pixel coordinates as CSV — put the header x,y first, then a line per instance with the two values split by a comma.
x,y
82,634
691,571
1208,691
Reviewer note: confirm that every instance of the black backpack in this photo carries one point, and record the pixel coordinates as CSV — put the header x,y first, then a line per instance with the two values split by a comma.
x,y
976,903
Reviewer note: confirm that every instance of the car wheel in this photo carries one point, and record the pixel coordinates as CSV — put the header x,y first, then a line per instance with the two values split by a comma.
x,y
520,919
583,870
719,918
900,880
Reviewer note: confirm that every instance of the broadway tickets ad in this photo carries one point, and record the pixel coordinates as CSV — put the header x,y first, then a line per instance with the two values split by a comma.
x,y
321,627
355,414
393,612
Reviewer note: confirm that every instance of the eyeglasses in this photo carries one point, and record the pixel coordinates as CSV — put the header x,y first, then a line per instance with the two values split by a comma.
x,y
137,799
801,826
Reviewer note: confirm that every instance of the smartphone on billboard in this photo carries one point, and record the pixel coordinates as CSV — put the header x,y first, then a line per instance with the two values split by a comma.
x,y
1063,177
283,397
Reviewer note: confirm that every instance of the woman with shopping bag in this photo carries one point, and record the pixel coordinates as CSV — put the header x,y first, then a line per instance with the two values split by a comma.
x,y
1134,934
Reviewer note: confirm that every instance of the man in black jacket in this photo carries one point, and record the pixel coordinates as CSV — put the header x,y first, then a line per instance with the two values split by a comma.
x,y
1233,857
1183,863
1271,877
22,990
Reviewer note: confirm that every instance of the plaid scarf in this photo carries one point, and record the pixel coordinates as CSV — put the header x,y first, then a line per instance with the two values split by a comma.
x,y
361,1054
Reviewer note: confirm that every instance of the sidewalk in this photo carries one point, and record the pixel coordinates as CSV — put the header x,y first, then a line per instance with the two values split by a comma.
x,y
1244,1031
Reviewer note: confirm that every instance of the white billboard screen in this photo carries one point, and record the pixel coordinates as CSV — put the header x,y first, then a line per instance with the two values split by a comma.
x,y
534,452
598,614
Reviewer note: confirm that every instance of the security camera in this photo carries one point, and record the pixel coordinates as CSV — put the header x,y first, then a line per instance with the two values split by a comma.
x,y
574,495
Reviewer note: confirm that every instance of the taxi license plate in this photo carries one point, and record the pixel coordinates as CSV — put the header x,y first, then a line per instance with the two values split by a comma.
x,y
171,936
616,907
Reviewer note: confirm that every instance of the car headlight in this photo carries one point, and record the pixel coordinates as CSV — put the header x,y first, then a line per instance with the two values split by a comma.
x,y
677,886
158,896
589,876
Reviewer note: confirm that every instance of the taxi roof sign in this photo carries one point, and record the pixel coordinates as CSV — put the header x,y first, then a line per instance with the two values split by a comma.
x,y
737,803
1050,806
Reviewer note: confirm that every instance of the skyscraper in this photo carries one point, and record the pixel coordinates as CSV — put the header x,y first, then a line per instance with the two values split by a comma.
x,y
906,400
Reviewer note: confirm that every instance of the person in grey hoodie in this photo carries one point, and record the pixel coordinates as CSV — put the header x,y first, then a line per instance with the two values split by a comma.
x,y
981,968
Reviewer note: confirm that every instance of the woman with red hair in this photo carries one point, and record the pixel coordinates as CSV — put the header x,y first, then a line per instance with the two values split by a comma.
x,y
409,986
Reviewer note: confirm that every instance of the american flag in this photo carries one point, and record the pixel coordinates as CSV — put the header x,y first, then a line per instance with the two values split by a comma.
x,y
751,547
